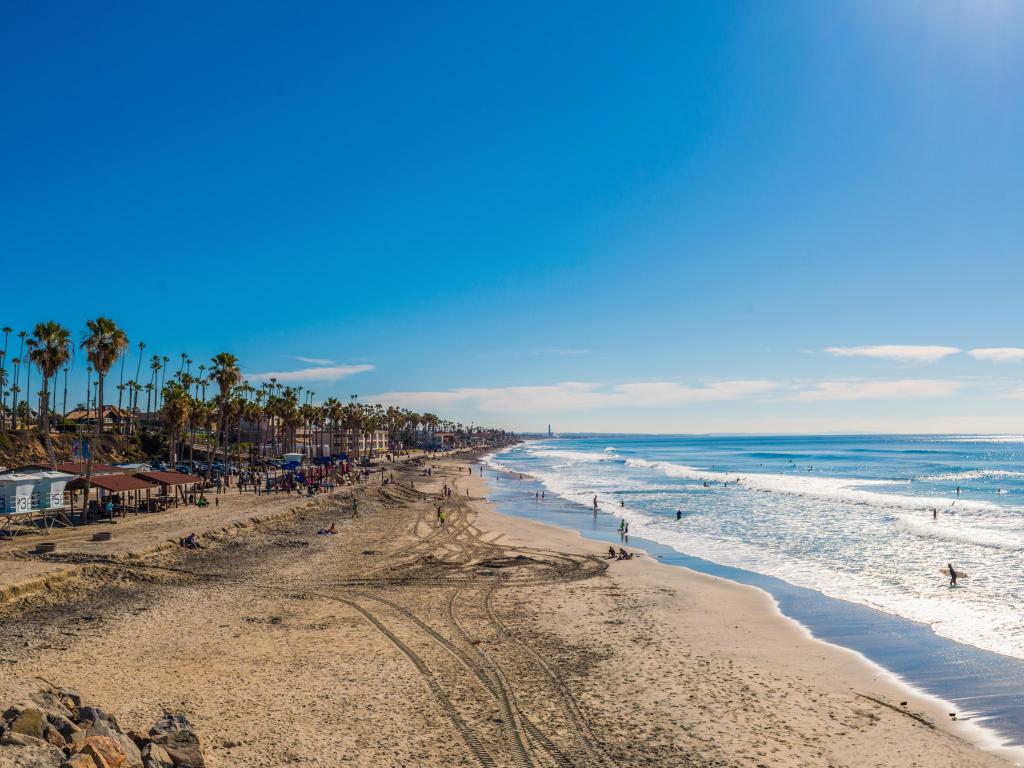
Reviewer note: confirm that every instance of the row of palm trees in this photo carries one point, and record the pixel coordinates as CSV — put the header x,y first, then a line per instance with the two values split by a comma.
x,y
179,410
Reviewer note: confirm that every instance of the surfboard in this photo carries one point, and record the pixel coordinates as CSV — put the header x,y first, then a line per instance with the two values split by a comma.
x,y
959,574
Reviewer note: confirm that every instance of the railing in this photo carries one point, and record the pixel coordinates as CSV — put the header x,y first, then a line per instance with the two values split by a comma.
x,y
37,502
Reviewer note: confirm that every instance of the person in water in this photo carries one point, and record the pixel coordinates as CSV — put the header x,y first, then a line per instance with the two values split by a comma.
x,y
952,575
679,514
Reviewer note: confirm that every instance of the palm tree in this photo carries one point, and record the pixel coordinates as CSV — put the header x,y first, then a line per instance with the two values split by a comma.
x,y
64,405
332,412
31,344
149,395
3,374
138,370
3,398
15,389
226,373
120,388
154,378
52,349
176,414
163,373
104,343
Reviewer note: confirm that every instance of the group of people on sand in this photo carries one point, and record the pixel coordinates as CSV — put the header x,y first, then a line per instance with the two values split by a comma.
x,y
620,555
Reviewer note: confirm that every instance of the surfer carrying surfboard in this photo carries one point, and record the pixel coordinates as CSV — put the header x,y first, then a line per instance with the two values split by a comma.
x,y
952,575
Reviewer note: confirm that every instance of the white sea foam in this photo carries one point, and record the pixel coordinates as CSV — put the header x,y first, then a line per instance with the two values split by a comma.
x,y
574,455
998,534
838,489
856,539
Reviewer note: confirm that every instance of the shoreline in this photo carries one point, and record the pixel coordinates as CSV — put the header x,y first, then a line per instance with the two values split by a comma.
x,y
491,638
964,726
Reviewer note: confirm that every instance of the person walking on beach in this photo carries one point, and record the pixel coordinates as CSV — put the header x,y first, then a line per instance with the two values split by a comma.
x,y
622,527
952,575
440,517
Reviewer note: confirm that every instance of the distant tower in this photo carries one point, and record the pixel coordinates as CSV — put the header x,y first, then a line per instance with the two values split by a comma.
x,y
549,431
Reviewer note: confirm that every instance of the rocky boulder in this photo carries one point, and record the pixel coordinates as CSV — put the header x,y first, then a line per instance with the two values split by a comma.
x,y
174,732
53,729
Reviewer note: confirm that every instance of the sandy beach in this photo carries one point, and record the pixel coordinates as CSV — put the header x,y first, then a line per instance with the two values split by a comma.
x,y
489,640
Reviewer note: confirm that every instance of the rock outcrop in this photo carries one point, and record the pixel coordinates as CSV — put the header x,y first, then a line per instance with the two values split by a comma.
x,y
52,729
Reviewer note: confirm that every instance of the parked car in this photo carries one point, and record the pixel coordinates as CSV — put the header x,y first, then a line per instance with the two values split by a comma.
x,y
183,468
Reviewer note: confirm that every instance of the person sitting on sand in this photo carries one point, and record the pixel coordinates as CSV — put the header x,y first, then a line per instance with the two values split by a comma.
x,y
611,553
190,542
328,531
624,555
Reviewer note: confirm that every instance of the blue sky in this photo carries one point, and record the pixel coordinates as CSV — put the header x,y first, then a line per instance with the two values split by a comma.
x,y
621,217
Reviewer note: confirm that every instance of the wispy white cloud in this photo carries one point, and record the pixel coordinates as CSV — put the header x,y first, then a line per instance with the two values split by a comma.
x,y
904,353
878,389
320,373
998,354
314,360
572,396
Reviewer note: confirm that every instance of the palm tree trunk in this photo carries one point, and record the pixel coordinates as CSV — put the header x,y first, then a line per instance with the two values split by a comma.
x,y
44,421
98,432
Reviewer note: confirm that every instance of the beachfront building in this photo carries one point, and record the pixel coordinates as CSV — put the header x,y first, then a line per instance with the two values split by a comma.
x,y
112,417
349,442
441,441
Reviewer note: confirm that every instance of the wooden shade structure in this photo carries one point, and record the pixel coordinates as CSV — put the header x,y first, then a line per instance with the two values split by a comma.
x,y
178,481
127,488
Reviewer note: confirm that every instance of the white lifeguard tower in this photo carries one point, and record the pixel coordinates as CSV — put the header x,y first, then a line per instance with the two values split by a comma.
x,y
28,497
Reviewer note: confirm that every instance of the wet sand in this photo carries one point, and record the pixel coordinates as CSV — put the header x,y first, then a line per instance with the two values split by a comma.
x,y
488,641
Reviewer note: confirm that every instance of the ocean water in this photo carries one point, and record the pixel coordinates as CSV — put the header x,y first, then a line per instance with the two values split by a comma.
x,y
865,519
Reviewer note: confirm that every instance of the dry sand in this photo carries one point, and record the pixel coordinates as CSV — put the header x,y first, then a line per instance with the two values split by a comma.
x,y
490,641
